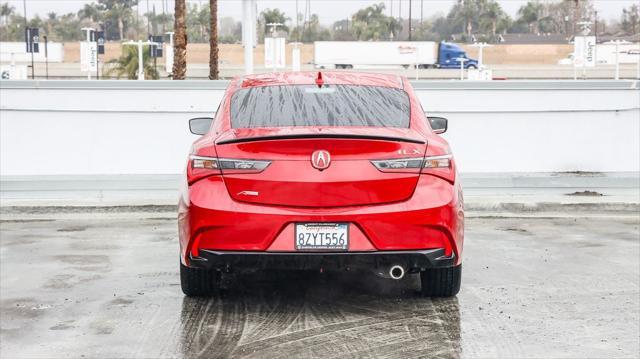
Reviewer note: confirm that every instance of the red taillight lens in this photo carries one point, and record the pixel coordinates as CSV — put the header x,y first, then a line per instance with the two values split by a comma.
x,y
441,166
201,167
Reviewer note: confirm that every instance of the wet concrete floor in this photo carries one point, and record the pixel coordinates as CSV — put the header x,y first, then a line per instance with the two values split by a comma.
x,y
91,286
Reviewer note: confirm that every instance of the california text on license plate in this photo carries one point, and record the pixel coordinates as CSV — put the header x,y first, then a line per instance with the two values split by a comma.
x,y
322,236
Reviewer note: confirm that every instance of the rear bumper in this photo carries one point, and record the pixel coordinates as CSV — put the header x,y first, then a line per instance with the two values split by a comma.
x,y
210,221
413,261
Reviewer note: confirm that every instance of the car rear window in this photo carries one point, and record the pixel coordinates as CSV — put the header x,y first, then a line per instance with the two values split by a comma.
x,y
331,105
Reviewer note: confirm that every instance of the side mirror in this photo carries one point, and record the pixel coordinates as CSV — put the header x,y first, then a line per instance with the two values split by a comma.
x,y
200,125
439,124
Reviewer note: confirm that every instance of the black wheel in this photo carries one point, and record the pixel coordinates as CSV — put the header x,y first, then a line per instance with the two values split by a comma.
x,y
472,67
441,282
196,282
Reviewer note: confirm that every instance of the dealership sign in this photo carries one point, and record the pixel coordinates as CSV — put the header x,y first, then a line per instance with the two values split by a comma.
x,y
88,56
32,39
585,51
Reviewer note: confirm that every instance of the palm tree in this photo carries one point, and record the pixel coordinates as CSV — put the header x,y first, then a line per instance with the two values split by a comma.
x,y
530,15
52,18
127,64
5,11
371,23
66,28
630,19
180,42
121,11
203,18
91,12
158,21
493,12
468,10
213,40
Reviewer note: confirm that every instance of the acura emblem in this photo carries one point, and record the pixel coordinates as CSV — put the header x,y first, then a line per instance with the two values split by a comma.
x,y
320,159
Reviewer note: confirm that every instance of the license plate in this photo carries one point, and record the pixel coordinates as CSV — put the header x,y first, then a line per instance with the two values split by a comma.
x,y
322,236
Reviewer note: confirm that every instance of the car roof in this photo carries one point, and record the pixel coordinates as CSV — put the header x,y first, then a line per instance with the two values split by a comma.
x,y
327,77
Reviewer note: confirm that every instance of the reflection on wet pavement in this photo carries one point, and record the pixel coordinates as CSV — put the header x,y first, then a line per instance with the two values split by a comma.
x,y
332,314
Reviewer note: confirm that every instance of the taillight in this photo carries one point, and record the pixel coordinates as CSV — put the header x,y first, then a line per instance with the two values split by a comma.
x,y
441,166
200,166
443,161
405,165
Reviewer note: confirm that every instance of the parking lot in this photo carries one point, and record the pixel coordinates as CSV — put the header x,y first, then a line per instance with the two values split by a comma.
x,y
107,285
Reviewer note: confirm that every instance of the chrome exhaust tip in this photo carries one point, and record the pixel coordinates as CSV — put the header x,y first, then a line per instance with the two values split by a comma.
x,y
396,272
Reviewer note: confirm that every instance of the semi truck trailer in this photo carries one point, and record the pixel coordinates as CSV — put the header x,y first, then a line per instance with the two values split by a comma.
x,y
390,54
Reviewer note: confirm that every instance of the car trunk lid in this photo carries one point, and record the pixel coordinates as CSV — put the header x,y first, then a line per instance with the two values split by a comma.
x,y
292,180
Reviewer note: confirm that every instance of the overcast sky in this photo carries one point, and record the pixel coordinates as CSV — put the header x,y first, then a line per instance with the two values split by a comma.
x,y
328,10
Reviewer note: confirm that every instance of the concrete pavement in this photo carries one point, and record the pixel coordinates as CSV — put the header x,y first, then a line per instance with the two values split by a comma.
x,y
107,285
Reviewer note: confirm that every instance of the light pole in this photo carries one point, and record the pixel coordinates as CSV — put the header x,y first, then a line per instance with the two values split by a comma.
x,y
248,33
168,64
410,20
274,27
462,61
480,46
575,67
274,55
46,57
26,26
140,43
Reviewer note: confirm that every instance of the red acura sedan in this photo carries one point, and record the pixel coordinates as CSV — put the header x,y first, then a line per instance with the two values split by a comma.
x,y
321,171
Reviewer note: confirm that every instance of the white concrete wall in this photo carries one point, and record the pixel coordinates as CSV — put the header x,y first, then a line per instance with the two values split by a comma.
x,y
129,127
16,51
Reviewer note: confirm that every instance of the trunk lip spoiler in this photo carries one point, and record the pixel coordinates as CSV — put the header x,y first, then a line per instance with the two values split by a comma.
x,y
319,135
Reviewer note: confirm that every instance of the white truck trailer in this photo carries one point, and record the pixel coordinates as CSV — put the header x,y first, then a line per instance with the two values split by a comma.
x,y
389,54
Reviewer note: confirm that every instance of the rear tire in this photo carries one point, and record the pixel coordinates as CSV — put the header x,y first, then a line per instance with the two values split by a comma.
x,y
196,282
441,282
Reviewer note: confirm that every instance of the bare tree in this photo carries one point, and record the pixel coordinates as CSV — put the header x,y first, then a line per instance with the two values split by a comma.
x,y
180,42
213,40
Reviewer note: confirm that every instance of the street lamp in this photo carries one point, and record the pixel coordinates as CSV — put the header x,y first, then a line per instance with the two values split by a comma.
x,y
274,27
248,33
168,65
462,61
480,46
274,55
140,43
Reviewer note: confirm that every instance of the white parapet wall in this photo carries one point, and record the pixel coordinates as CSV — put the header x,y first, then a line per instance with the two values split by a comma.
x,y
131,127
